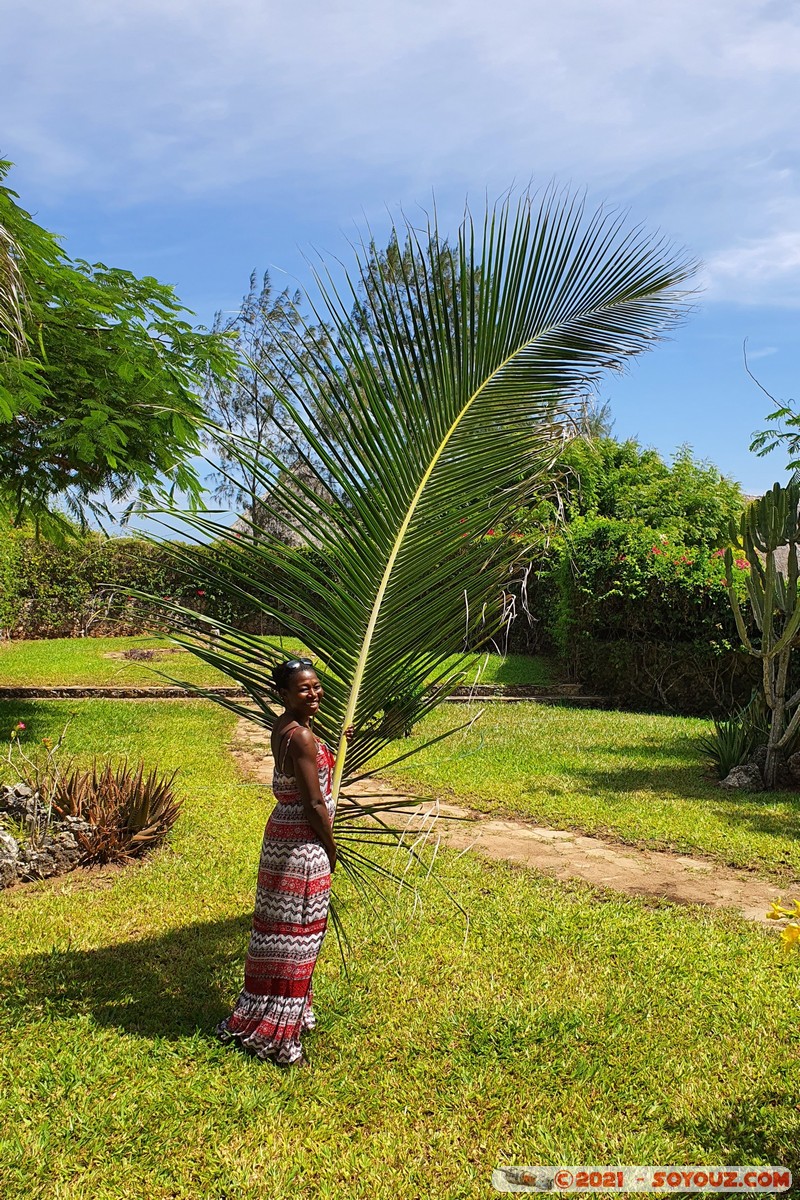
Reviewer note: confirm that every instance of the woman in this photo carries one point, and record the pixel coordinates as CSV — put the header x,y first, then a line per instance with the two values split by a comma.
x,y
298,856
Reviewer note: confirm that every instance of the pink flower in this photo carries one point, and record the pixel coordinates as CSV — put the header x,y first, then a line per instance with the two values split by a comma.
x,y
655,550
21,725
201,592
742,564
489,532
718,554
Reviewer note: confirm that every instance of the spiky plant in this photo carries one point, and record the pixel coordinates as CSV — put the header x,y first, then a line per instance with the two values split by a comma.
x,y
767,527
130,812
443,397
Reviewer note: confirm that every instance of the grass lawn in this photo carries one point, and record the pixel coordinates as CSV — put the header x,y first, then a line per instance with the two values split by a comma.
x,y
635,776
566,1028
86,661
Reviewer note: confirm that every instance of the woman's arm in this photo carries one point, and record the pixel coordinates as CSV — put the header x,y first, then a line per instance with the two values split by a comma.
x,y
302,751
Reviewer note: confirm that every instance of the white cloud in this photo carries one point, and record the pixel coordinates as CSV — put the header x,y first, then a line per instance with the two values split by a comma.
x,y
759,271
691,110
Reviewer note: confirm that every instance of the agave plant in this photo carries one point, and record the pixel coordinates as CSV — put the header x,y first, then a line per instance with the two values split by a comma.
x,y
443,397
130,812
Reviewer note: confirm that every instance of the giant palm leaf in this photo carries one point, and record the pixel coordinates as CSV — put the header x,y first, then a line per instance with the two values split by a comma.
x,y
439,410
12,296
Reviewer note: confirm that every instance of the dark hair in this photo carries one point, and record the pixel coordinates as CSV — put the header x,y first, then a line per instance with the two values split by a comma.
x,y
282,674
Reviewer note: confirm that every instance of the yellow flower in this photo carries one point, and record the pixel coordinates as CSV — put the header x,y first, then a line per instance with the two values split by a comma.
x,y
790,936
776,913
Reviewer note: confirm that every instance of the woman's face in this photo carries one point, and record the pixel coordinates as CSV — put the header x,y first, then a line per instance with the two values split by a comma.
x,y
304,693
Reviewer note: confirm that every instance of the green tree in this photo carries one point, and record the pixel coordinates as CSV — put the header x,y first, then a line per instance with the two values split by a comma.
x,y
276,345
689,499
102,396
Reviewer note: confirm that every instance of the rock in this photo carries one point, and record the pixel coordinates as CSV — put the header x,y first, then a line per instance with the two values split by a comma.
x,y
21,803
9,858
55,856
746,778
793,765
759,758
75,825
783,778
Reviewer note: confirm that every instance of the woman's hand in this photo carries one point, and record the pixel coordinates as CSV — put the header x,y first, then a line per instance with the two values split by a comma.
x,y
349,732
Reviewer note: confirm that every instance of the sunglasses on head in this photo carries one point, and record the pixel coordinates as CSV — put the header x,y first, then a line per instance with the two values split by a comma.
x,y
293,663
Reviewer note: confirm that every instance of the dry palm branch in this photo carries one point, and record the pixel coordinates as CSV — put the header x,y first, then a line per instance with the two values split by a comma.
x,y
439,407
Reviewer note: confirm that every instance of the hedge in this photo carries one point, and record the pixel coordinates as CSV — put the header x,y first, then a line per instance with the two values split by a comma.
x,y
643,619
634,615
82,589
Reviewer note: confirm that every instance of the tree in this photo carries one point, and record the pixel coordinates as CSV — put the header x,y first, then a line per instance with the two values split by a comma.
x,y
434,442
689,500
275,345
101,395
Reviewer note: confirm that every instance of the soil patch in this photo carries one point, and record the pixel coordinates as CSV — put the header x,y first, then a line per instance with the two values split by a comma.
x,y
144,655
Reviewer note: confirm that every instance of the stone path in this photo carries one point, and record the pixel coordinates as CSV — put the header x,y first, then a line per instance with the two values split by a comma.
x,y
562,854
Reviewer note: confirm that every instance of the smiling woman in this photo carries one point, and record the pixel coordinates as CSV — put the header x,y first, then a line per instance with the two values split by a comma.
x,y
298,856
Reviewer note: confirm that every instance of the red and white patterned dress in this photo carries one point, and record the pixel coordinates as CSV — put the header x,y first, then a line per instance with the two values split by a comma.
x,y
289,922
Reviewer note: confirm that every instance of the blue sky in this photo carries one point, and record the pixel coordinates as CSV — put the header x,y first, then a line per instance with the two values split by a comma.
x,y
195,141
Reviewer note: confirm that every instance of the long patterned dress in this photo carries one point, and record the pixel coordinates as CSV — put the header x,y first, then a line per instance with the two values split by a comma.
x,y
289,922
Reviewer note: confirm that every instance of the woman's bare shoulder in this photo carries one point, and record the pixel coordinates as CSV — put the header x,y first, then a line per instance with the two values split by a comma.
x,y
303,741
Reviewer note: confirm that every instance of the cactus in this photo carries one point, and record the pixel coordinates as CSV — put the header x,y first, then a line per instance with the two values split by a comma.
x,y
765,526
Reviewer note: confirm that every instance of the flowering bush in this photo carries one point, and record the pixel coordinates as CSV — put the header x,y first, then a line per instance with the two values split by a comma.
x,y
646,618
619,578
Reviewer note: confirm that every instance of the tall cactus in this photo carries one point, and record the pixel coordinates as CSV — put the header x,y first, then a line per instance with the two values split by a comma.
x,y
766,526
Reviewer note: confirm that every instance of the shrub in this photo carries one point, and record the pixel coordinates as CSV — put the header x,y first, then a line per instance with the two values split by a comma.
x,y
645,619
730,745
83,588
130,813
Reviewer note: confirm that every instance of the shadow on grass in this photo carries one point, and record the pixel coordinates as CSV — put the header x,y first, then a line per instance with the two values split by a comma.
x,y
169,986
774,814
764,1127
38,721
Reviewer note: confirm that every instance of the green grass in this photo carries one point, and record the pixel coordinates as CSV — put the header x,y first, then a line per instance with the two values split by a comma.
x,y
566,1028
638,777
87,662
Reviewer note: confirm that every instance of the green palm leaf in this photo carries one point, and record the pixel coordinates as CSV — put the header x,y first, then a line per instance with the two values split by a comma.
x,y
438,412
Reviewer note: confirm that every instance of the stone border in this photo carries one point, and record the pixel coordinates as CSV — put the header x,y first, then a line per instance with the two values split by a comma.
x,y
560,693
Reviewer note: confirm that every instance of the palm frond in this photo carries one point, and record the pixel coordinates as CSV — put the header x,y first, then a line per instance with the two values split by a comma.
x,y
13,299
441,409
